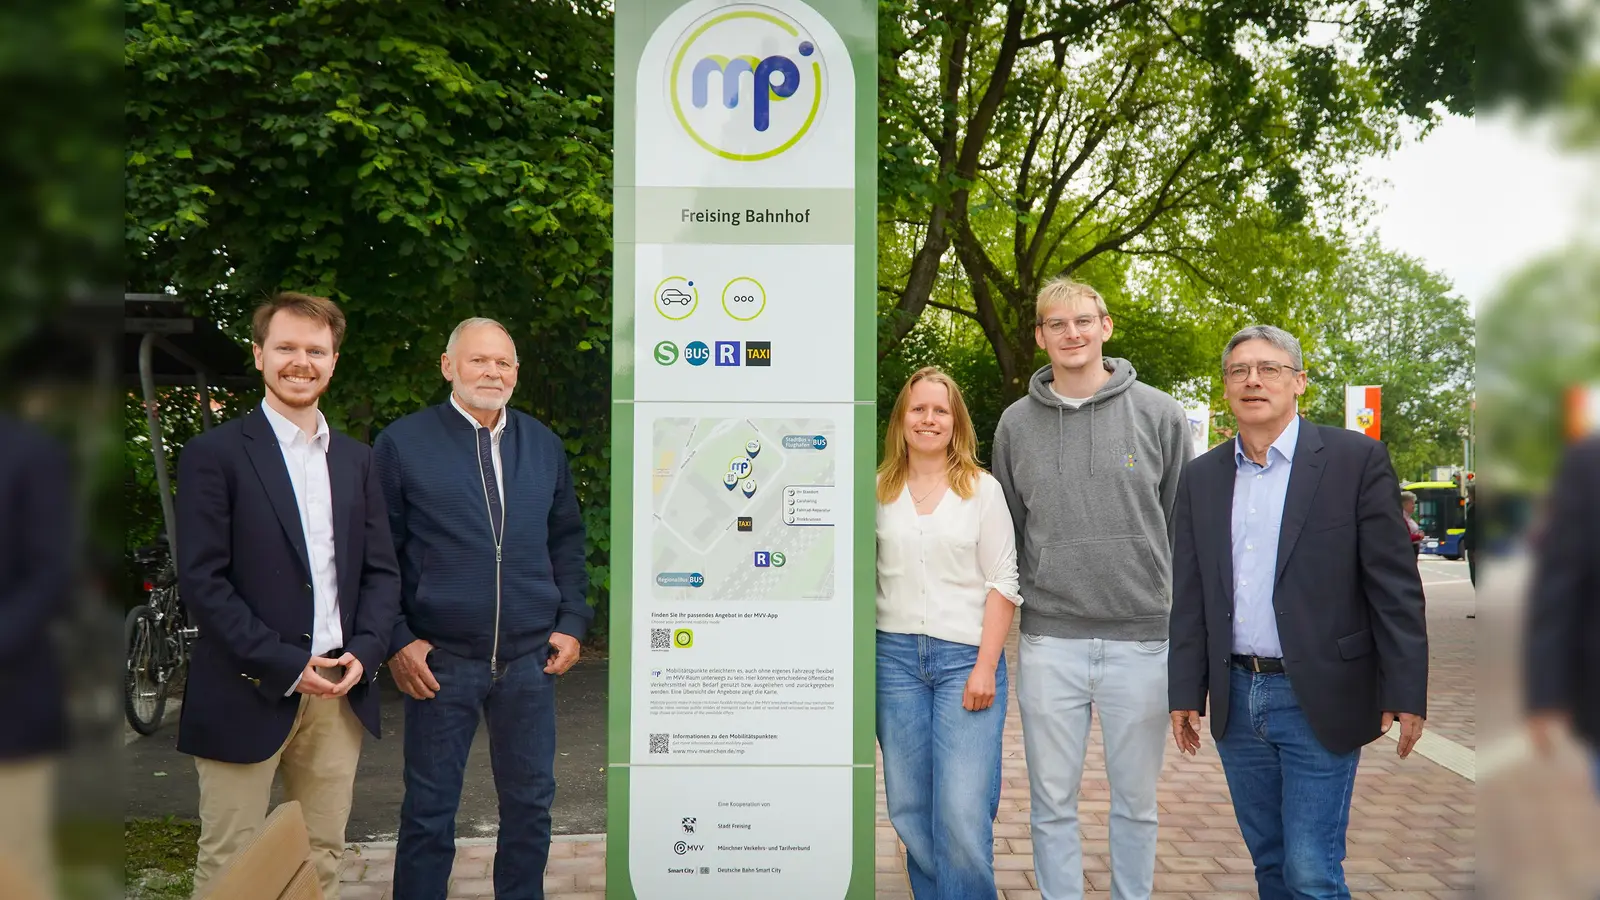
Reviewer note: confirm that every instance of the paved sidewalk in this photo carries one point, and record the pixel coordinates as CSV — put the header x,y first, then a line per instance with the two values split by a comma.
x,y
1411,830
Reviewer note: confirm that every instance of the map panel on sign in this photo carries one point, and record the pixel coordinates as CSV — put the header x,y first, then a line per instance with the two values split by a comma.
x,y
732,502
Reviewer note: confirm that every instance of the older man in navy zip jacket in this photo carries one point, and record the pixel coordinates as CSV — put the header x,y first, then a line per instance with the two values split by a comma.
x,y
491,547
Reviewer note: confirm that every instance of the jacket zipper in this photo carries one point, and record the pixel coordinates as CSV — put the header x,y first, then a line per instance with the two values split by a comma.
x,y
499,540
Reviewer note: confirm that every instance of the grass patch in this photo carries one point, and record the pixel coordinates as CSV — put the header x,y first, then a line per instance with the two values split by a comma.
x,y
159,860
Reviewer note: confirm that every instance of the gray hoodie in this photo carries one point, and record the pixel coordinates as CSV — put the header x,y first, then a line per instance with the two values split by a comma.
x,y
1091,492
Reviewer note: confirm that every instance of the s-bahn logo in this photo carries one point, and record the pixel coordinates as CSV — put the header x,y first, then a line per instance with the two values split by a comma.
x,y
746,82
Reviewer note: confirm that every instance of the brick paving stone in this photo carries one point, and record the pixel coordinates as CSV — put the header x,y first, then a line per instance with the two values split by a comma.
x,y
472,887
1413,825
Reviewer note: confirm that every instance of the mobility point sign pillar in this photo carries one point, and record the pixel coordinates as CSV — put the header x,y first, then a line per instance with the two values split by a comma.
x,y
740,745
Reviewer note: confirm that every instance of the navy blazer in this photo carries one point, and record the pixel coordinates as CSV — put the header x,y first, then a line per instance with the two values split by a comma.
x,y
36,578
1348,595
1562,671
244,572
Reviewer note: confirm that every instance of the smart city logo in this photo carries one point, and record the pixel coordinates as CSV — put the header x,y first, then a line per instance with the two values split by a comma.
x,y
746,119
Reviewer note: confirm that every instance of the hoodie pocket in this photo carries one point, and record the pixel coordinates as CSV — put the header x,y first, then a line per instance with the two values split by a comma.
x,y
1099,578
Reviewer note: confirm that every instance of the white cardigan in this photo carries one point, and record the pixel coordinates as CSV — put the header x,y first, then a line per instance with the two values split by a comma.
x,y
935,571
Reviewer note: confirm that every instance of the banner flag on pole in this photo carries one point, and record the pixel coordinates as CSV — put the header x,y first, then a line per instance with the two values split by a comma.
x,y
1199,427
1363,409
1583,410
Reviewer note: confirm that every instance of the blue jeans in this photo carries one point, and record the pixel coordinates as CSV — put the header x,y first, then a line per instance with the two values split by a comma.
x,y
941,763
518,702
1290,794
1061,684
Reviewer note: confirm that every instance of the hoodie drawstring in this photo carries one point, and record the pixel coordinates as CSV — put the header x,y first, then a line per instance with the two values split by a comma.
x,y
1061,437
1092,454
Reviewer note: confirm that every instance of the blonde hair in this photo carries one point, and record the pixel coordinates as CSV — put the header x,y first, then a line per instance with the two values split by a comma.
x,y
1063,291
963,469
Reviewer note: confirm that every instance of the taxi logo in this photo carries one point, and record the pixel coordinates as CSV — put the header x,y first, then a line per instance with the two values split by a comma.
x,y
758,353
745,523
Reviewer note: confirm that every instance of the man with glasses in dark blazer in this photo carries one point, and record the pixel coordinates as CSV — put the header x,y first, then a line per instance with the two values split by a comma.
x,y
1297,611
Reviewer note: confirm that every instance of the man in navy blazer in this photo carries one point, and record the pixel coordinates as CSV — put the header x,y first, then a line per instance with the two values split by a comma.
x,y
37,530
1561,674
1297,608
285,558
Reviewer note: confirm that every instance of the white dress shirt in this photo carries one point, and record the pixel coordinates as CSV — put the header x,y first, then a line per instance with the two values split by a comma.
x,y
494,442
935,571
307,461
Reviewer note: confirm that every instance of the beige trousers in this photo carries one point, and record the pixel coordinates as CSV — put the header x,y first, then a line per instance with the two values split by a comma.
x,y
318,762
27,824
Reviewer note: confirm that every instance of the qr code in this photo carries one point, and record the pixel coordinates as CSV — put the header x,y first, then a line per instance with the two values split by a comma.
x,y
660,639
659,744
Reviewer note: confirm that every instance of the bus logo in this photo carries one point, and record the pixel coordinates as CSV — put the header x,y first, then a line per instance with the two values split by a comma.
x,y
746,83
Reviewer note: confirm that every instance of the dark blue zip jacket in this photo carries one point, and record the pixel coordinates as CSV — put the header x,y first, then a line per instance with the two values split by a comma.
x,y
428,465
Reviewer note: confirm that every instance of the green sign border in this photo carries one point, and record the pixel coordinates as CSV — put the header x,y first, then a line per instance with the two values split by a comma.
x,y
857,24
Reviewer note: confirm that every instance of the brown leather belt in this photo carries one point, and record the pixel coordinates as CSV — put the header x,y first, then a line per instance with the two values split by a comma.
x,y
1263,664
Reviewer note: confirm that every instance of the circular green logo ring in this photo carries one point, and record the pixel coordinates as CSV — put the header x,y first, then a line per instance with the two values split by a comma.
x,y
677,108
759,310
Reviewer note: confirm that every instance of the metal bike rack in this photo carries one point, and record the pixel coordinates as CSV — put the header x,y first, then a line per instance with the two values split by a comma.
x,y
177,349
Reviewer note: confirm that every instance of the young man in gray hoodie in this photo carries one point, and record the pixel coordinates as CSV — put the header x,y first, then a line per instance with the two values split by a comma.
x,y
1089,461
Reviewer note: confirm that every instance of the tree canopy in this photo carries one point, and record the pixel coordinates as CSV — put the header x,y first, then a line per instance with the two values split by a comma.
x,y
422,162
418,162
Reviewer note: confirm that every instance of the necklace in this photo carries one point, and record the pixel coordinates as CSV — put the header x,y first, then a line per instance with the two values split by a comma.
x,y
918,500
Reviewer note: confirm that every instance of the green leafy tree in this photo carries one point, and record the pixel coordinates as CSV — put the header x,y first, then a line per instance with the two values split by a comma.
x,y
1391,322
1200,149
1546,327
418,161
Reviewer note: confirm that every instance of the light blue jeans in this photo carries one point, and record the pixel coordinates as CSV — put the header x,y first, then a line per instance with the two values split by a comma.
x,y
1059,681
941,764
1291,795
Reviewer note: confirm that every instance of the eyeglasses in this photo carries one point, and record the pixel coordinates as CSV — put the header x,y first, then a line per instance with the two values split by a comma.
x,y
1057,326
1269,371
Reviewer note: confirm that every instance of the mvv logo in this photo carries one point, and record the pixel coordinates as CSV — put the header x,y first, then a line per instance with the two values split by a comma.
x,y
746,82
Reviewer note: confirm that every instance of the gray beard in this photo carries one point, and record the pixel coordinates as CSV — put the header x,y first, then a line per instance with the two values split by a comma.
x,y
472,402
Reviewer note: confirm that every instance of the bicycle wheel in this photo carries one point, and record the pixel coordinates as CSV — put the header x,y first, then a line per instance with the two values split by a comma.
x,y
144,691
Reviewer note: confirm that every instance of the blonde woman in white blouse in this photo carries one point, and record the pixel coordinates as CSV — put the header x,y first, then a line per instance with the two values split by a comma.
x,y
947,589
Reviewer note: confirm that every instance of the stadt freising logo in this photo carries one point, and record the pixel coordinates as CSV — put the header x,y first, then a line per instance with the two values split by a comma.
x,y
746,82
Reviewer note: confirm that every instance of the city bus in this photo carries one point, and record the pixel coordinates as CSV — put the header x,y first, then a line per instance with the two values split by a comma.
x,y
1442,513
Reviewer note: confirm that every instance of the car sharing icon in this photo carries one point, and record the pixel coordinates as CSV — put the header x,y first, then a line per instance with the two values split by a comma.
x,y
676,297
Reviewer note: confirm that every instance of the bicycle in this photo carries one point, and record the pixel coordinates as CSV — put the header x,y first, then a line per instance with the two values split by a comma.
x,y
158,636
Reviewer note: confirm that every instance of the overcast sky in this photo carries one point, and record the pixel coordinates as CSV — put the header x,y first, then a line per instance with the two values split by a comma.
x,y
1477,199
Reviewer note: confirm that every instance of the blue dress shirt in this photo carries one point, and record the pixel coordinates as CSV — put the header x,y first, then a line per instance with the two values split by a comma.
x,y
1258,496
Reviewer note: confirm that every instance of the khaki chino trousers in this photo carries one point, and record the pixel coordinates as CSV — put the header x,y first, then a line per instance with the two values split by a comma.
x,y
318,763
